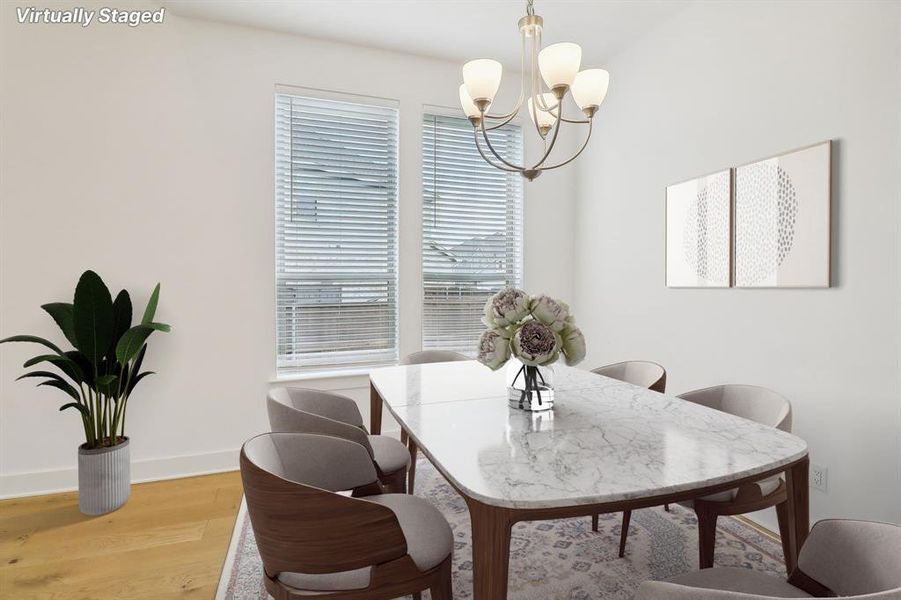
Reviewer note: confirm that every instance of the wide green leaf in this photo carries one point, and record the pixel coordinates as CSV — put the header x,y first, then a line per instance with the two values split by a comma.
x,y
108,384
131,341
63,314
33,339
65,364
84,365
47,374
139,377
121,319
62,385
93,313
79,407
159,326
150,311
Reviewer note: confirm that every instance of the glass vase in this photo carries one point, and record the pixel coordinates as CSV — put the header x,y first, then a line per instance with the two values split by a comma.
x,y
530,388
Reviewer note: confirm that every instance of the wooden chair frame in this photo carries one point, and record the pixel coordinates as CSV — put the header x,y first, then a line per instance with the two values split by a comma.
x,y
301,528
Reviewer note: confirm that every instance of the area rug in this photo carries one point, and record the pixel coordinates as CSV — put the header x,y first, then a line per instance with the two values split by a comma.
x,y
554,560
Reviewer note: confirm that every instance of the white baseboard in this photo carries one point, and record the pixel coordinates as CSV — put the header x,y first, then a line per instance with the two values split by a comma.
x,y
17,485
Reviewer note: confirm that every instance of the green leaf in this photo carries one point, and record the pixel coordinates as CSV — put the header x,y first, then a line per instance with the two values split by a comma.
x,y
33,339
62,313
62,385
65,364
131,341
108,384
121,319
93,313
150,311
84,366
140,376
79,407
136,367
48,374
159,326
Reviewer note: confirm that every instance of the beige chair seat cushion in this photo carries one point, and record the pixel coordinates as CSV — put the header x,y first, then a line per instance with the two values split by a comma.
x,y
388,453
429,542
739,580
767,486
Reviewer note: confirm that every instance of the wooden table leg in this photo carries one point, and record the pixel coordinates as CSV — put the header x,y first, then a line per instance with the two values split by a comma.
x,y
490,550
411,473
375,411
797,511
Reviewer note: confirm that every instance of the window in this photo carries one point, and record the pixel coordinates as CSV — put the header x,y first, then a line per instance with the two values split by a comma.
x,y
471,229
336,233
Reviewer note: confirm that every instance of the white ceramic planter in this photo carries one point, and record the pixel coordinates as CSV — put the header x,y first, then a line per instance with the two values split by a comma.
x,y
104,478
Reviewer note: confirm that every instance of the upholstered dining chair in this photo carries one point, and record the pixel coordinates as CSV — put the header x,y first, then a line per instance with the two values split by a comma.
x,y
421,358
301,410
757,404
642,373
316,541
841,558
431,356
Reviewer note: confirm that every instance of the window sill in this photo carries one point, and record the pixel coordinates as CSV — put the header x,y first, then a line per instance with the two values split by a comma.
x,y
326,374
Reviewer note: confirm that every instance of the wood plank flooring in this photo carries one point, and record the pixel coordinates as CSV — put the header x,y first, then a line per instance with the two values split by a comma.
x,y
168,541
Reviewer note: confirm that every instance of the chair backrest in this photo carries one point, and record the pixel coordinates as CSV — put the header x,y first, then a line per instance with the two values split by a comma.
x,y
299,523
299,410
642,373
749,401
853,558
432,356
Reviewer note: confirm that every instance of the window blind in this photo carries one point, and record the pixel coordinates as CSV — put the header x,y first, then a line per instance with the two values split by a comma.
x,y
336,233
471,229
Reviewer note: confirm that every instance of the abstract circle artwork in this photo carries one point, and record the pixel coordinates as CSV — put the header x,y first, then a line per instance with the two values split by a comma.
x,y
705,240
767,208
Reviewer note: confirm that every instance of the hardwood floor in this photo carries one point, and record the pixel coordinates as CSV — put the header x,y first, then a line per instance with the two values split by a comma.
x,y
168,541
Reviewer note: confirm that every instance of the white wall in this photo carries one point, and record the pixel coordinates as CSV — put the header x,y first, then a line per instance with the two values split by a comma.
x,y
146,155
722,84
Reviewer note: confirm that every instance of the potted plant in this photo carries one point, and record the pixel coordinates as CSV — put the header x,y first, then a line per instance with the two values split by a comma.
x,y
99,376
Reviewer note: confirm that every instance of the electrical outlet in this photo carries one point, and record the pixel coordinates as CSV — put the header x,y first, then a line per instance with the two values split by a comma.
x,y
818,477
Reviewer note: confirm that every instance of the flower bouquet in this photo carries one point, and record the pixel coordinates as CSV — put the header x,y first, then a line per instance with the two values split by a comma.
x,y
534,331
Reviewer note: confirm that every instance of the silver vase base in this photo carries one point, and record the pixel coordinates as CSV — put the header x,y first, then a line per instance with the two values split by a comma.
x,y
538,400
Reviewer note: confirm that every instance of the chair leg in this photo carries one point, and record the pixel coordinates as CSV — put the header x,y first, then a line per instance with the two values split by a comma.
x,y
594,522
444,589
417,595
403,436
411,473
624,534
706,537
785,530
666,507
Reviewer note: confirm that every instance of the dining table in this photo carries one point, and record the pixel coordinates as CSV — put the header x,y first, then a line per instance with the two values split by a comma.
x,y
605,446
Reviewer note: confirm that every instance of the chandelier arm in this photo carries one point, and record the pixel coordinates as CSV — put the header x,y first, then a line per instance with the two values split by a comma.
x,y
574,156
475,135
509,118
550,147
494,152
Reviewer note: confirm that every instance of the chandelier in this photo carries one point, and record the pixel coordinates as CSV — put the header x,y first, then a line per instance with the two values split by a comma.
x,y
553,71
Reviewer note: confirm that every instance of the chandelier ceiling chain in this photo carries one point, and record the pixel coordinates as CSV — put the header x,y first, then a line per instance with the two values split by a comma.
x,y
553,72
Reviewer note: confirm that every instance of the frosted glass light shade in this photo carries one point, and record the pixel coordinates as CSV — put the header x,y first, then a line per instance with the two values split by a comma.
x,y
559,63
482,77
590,87
469,107
545,119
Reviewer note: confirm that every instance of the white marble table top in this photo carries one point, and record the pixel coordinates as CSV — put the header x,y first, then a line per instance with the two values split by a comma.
x,y
604,441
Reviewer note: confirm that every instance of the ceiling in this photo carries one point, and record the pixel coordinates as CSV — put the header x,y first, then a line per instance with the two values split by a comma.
x,y
458,30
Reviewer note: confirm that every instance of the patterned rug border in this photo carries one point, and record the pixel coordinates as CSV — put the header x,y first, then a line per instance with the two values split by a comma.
x,y
739,528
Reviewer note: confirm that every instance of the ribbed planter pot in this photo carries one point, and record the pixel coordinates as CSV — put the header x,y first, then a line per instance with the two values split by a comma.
x,y
104,478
